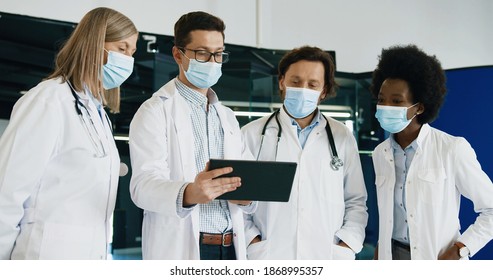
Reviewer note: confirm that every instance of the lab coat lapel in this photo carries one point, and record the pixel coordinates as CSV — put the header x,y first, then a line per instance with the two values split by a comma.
x,y
289,132
230,145
184,130
317,133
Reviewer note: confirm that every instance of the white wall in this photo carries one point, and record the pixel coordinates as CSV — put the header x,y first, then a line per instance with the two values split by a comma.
x,y
459,32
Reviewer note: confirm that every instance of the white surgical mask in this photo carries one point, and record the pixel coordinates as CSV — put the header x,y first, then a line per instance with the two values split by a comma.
x,y
393,118
301,102
117,69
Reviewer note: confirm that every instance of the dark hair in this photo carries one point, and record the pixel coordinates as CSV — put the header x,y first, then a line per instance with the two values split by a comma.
x,y
196,21
422,72
311,54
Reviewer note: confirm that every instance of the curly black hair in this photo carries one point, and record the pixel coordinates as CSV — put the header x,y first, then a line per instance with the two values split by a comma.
x,y
422,72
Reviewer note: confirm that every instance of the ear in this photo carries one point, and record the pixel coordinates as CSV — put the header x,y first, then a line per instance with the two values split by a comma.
x,y
177,55
421,109
281,83
323,95
282,89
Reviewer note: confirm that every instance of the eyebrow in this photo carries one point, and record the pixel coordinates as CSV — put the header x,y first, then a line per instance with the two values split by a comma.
x,y
207,48
309,80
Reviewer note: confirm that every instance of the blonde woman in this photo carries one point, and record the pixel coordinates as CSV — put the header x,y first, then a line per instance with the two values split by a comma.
x,y
58,161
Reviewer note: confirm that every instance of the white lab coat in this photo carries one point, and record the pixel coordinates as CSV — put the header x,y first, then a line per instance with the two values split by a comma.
x,y
162,157
444,167
324,205
56,197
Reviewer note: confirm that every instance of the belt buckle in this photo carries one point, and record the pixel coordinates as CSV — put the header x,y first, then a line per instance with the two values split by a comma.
x,y
223,237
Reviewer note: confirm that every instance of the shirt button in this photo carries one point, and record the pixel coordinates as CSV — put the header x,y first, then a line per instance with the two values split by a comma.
x,y
411,216
405,238
400,204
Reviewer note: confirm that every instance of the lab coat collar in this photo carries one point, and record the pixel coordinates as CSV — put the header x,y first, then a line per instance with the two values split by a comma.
x,y
425,130
169,89
194,96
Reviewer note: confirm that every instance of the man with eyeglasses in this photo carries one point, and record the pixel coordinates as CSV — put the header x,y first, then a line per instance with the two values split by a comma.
x,y
172,137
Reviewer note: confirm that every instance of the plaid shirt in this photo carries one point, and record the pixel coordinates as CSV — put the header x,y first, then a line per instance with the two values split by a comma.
x,y
209,143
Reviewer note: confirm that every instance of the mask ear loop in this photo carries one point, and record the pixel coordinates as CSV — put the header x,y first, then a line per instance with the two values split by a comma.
x,y
415,114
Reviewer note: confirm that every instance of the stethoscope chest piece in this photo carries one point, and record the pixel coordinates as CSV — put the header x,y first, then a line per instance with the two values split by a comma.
x,y
336,163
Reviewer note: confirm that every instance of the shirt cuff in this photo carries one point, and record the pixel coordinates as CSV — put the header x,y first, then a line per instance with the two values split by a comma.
x,y
181,211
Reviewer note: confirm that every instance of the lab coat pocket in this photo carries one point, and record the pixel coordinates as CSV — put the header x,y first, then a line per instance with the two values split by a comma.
x,y
257,251
66,242
342,253
382,191
430,184
379,181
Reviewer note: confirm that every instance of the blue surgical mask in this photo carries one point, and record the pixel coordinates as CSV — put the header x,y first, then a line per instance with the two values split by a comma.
x,y
301,102
393,118
117,69
203,75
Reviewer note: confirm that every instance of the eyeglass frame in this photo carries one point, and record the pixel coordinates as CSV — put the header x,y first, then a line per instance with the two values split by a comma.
x,y
211,54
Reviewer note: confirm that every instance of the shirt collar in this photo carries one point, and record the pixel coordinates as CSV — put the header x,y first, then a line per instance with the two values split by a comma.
x,y
195,97
314,122
398,147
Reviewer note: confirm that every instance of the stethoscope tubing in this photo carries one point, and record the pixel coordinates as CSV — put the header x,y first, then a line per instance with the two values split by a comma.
x,y
100,152
335,162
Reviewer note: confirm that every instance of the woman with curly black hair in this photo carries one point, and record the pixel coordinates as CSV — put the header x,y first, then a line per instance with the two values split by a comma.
x,y
421,172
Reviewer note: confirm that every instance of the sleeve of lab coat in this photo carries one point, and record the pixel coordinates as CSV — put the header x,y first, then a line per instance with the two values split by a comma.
x,y
474,184
356,216
151,187
25,149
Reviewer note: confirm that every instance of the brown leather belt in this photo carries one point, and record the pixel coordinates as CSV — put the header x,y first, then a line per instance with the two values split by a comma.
x,y
225,239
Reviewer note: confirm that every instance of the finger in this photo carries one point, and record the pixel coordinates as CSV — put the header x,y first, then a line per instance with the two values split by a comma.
x,y
220,171
226,181
218,191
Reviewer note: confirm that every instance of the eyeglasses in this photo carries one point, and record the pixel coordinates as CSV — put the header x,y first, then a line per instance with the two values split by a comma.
x,y
204,56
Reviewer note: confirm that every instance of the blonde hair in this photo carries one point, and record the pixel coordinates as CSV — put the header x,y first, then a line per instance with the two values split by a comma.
x,y
80,60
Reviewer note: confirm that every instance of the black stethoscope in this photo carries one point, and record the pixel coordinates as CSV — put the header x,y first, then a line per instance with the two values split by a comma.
x,y
335,162
100,150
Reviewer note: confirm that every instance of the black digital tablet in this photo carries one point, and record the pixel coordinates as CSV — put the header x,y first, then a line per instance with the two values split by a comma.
x,y
260,180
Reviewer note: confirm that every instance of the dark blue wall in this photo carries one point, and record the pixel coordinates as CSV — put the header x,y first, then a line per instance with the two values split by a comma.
x,y
468,112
